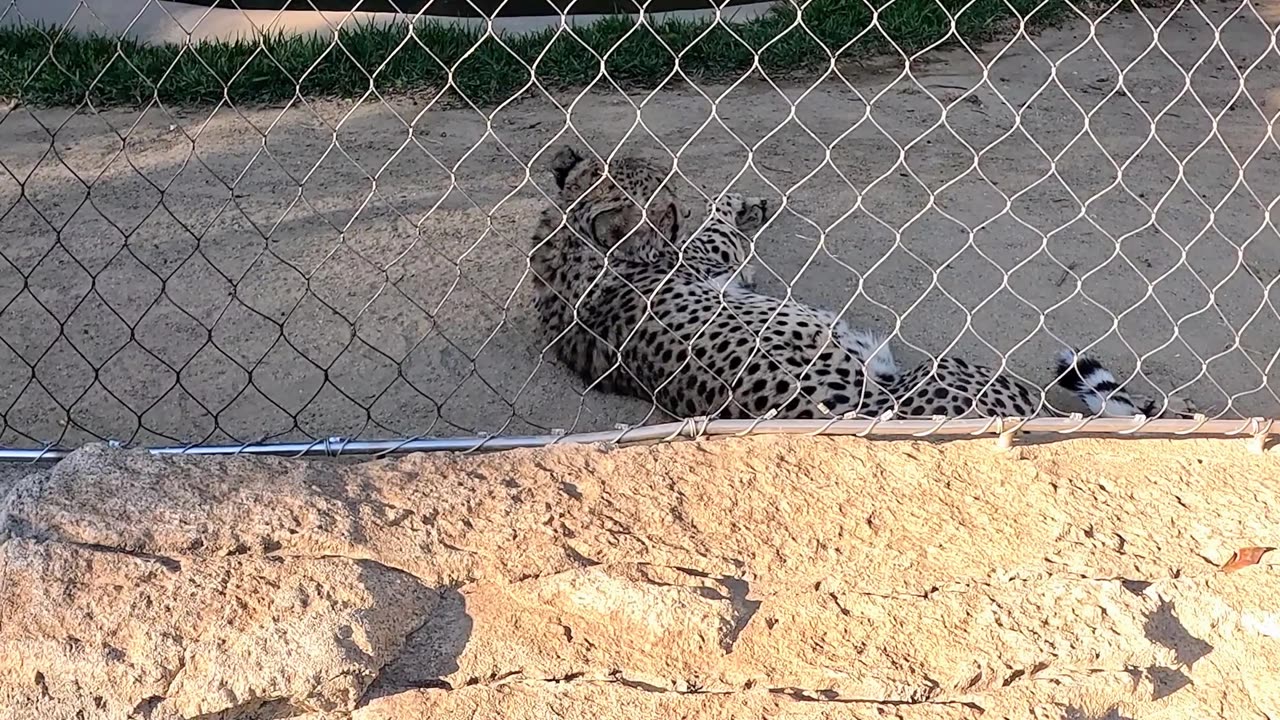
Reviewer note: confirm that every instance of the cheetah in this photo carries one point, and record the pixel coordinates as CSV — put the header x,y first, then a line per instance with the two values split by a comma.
x,y
635,305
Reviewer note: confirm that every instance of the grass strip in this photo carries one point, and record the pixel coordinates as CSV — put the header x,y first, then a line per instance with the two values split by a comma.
x,y
44,66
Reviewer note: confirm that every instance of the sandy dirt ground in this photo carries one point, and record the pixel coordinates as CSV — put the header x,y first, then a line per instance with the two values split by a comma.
x,y
359,269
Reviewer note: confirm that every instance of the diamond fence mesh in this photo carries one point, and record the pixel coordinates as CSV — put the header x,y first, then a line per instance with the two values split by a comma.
x,y
236,272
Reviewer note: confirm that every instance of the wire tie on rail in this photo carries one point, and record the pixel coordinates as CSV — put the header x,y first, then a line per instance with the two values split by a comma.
x,y
1004,438
1258,442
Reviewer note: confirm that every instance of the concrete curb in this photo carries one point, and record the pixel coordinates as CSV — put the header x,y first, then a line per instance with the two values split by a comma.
x,y
158,21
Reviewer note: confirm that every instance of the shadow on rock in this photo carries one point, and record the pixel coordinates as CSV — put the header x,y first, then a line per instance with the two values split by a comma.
x,y
1164,628
430,653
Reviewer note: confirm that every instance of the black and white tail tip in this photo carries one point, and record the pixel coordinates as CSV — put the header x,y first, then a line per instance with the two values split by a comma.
x,y
1097,387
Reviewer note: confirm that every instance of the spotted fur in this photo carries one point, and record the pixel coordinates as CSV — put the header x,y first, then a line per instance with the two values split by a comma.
x,y
635,306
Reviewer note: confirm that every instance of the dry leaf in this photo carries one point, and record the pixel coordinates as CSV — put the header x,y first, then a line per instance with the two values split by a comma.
x,y
1244,557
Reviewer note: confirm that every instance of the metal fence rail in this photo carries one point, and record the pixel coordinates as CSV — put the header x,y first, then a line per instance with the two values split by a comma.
x,y
1256,431
313,276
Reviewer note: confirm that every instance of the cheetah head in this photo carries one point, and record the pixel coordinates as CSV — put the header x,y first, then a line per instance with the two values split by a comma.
x,y
606,208
747,214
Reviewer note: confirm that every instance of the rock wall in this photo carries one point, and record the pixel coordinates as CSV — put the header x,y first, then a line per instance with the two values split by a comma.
x,y
749,578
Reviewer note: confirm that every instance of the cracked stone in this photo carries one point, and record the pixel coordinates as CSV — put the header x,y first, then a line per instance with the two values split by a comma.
x,y
737,578
107,633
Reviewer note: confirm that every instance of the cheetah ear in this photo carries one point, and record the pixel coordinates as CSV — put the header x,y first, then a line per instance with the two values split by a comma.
x,y
565,159
668,222
610,225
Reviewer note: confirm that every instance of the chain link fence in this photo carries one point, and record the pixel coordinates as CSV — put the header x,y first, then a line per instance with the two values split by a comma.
x,y
293,268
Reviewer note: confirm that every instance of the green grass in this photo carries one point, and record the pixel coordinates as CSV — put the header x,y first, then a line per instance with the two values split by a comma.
x,y
44,67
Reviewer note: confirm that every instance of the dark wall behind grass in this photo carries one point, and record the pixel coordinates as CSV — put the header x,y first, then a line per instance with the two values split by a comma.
x,y
44,66
472,8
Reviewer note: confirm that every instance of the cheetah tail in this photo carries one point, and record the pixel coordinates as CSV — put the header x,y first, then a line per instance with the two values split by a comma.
x,y
1097,387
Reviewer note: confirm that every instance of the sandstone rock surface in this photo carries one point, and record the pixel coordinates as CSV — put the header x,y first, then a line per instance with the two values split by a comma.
x,y
745,578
